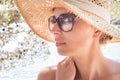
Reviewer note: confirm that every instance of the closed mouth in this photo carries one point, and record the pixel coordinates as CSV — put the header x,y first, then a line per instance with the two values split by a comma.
x,y
60,43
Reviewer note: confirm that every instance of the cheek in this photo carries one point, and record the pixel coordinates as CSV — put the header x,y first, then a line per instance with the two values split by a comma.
x,y
75,41
81,35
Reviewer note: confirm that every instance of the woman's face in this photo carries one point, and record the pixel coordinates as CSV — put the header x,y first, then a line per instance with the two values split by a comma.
x,y
75,41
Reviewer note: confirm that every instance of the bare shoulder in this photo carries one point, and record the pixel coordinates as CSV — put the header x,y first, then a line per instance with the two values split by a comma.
x,y
47,73
115,65
112,77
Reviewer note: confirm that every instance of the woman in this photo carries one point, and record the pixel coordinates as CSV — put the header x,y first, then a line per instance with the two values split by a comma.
x,y
79,30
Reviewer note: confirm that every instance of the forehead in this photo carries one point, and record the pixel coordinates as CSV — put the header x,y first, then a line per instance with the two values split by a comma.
x,y
59,10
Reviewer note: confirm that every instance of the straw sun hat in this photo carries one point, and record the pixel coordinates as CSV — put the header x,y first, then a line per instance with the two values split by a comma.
x,y
37,12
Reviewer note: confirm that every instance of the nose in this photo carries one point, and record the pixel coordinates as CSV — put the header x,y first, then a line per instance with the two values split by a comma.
x,y
55,29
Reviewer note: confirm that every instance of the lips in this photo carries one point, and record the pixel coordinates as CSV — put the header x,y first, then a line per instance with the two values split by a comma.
x,y
60,43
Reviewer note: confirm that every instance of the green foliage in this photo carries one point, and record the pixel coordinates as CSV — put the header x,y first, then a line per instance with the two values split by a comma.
x,y
9,14
8,3
115,12
18,44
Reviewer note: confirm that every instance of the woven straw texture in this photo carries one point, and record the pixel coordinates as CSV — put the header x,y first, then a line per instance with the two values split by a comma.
x,y
37,12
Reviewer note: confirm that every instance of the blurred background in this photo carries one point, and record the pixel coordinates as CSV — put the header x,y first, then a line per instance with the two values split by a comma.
x,y
23,54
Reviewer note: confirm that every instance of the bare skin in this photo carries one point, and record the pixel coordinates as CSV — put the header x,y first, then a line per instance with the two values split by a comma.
x,y
85,60
52,72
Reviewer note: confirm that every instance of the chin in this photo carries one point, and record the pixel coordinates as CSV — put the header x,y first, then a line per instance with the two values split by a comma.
x,y
64,53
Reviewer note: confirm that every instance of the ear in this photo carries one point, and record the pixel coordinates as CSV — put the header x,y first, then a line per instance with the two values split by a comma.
x,y
97,33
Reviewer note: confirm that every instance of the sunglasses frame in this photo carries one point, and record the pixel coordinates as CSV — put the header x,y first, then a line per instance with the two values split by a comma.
x,y
62,17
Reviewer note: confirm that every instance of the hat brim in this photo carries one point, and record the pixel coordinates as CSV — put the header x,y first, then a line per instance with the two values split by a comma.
x,y
37,12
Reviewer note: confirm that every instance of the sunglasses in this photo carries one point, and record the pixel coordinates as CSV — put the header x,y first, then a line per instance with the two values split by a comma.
x,y
65,22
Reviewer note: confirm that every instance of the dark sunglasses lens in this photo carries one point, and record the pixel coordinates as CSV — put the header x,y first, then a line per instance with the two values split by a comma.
x,y
65,22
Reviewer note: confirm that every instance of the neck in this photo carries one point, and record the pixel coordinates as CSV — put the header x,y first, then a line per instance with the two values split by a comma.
x,y
89,66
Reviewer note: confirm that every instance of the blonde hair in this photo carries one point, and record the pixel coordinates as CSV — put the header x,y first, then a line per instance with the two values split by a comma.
x,y
105,38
